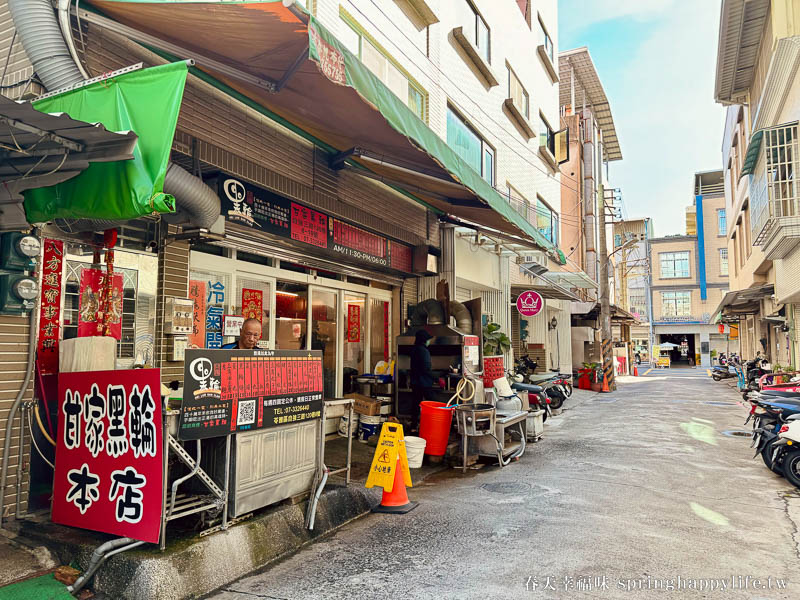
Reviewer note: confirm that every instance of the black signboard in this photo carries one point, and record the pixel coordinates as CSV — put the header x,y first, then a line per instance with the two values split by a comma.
x,y
227,391
272,213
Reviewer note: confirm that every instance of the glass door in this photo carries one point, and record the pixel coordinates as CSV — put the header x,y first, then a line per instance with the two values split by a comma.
x,y
323,334
291,315
380,342
253,298
354,343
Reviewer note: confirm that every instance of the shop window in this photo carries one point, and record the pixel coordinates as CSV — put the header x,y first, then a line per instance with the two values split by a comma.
x,y
674,264
358,281
722,222
291,316
295,268
323,336
126,346
253,296
355,343
329,275
214,294
383,66
380,332
470,146
256,259
210,249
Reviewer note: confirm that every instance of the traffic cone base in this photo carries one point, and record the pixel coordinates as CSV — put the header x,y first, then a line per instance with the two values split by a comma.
x,y
396,501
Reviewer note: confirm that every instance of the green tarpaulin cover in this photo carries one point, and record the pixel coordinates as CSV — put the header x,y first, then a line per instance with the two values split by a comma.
x,y
146,102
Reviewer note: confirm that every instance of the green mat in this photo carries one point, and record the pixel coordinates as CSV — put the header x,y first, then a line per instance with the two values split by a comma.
x,y
37,588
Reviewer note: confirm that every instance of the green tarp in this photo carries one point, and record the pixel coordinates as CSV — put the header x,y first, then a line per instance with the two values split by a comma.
x,y
146,102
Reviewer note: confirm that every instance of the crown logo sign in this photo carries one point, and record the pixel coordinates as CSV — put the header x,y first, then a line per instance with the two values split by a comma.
x,y
529,301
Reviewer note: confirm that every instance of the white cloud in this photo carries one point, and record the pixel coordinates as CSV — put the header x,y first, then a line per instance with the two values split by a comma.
x,y
577,15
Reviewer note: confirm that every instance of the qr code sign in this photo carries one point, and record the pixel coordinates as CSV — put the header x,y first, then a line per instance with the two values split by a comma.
x,y
247,412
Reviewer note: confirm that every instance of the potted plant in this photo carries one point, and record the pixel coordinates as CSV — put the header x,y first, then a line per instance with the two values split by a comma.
x,y
596,375
495,345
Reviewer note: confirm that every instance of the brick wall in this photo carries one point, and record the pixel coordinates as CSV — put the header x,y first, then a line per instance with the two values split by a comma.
x,y
173,281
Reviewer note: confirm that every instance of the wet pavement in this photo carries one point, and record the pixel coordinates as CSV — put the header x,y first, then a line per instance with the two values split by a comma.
x,y
650,491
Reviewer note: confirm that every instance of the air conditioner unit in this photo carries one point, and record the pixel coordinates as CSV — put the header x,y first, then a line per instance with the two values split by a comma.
x,y
538,258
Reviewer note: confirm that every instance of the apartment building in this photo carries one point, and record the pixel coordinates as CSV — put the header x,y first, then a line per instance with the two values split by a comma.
x,y
756,78
689,276
632,277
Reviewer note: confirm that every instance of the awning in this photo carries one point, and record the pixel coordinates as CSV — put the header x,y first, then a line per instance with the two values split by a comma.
x,y
591,310
146,101
740,303
572,279
546,291
39,149
286,61
751,156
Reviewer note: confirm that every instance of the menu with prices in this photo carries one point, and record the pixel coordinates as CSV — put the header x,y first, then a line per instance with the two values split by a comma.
x,y
228,391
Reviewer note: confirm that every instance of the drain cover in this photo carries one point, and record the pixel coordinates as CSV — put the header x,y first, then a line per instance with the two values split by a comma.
x,y
507,487
714,403
737,433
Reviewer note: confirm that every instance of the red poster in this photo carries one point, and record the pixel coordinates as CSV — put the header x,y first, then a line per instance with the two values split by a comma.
x,y
50,307
309,226
353,323
386,331
108,474
252,304
197,292
93,283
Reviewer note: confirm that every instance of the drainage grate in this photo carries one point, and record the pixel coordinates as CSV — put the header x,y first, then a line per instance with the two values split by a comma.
x,y
507,487
715,403
737,433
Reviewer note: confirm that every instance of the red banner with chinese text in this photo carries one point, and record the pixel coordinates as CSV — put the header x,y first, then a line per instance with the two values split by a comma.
x,y
197,292
93,283
108,473
252,304
50,307
353,323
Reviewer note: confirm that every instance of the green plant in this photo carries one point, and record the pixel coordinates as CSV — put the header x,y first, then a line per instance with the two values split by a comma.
x,y
495,342
713,354
595,368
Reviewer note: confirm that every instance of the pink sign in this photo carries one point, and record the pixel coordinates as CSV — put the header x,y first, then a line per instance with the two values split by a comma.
x,y
529,303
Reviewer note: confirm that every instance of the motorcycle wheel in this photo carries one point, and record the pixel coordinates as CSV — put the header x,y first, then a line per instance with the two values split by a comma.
x,y
766,456
568,389
716,377
556,399
791,467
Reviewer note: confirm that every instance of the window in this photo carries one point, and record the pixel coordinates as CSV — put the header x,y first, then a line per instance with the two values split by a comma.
x,y
478,30
722,223
674,264
387,70
546,139
723,262
617,240
546,221
518,94
676,304
735,254
547,41
470,146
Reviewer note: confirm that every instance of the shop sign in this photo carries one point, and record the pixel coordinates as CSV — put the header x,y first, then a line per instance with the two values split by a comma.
x,y
272,213
530,303
353,323
232,325
252,304
90,314
226,391
197,293
215,301
108,473
50,307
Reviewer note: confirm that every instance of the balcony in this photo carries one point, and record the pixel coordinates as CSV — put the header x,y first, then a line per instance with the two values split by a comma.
x,y
773,162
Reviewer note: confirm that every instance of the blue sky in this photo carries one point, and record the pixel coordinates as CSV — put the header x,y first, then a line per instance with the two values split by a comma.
x,y
656,60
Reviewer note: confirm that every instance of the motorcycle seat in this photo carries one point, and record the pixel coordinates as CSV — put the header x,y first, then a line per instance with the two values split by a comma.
x,y
527,387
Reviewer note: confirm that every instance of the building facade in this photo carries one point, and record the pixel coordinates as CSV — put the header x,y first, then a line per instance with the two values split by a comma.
x,y
689,277
632,278
759,156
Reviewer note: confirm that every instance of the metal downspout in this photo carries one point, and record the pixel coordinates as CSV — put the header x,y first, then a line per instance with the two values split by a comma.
x,y
99,556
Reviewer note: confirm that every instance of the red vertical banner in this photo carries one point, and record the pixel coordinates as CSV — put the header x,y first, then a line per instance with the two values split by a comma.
x,y
93,283
197,292
353,323
386,331
252,304
50,306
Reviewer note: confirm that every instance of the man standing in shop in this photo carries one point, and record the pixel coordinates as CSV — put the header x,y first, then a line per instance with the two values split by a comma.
x,y
421,375
248,336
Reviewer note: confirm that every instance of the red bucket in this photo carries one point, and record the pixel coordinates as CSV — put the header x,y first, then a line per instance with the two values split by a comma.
x,y
434,426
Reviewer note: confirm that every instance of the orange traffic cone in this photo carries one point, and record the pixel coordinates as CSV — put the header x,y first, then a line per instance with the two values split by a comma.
x,y
605,384
396,501
635,371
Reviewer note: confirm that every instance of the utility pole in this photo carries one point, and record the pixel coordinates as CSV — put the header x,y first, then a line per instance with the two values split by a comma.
x,y
605,301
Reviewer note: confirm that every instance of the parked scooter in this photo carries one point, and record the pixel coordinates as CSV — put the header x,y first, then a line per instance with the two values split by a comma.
x,y
769,415
525,366
787,450
728,370
537,398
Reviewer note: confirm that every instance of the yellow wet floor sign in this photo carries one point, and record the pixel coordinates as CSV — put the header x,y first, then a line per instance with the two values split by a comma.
x,y
391,445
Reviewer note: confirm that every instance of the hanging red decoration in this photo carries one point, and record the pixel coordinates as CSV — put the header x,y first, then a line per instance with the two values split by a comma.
x,y
721,328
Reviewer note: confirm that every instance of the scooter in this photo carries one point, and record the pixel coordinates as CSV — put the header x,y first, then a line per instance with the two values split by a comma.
x,y
536,395
768,418
787,450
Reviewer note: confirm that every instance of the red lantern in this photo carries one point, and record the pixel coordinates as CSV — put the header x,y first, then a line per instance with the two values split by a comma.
x,y
721,328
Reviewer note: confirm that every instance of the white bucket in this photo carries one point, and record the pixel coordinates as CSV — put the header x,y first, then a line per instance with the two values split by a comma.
x,y
368,426
343,424
415,451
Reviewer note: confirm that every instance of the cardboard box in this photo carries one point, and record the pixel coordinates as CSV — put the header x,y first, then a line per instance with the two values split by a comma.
x,y
364,405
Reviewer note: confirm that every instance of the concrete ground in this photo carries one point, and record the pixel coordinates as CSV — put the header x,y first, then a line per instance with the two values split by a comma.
x,y
636,494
